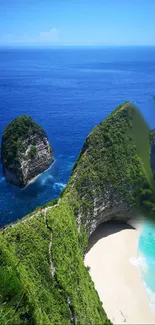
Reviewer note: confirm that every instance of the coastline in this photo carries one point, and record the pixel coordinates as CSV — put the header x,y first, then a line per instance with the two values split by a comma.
x,y
118,281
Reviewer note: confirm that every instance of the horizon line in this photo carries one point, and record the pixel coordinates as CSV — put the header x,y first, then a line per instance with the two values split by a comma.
x,y
72,46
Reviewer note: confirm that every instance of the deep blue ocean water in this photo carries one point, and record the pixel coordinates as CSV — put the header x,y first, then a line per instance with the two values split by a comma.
x,y
68,91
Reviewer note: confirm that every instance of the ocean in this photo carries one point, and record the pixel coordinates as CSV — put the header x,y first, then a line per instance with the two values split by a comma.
x,y
68,91
146,260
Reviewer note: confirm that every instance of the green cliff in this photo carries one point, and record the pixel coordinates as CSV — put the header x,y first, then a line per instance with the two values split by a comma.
x,y
43,279
112,178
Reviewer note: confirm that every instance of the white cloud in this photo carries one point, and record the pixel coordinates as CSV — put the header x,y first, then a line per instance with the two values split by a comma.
x,y
50,36
24,39
47,37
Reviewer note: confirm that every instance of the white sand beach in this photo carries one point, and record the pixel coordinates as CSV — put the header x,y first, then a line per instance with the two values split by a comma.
x,y
117,280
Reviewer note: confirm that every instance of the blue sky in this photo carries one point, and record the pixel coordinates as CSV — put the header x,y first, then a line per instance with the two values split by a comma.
x,y
72,22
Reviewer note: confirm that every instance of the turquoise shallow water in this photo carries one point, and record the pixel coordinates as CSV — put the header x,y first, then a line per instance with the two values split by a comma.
x,y
147,259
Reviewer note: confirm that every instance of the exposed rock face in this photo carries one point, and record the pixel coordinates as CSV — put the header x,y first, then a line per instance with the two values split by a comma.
x,y
105,207
105,210
30,167
27,155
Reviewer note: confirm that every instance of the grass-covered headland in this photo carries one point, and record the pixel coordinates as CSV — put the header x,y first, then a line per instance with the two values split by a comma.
x,y
115,162
43,280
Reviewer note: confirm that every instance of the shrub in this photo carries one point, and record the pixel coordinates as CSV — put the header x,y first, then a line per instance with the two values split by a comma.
x,y
32,152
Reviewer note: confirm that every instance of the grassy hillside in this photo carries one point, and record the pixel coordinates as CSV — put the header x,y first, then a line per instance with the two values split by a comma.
x,y
140,133
31,292
43,280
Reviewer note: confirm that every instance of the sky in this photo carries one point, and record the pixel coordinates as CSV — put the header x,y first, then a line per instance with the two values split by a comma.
x,y
77,22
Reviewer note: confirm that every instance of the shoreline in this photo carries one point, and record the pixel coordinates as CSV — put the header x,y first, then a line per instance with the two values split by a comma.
x,y
117,280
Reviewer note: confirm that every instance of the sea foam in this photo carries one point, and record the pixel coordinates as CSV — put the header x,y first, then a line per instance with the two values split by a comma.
x,y
59,185
139,262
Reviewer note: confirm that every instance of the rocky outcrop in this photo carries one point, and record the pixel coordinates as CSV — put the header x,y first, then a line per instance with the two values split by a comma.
x,y
105,210
105,207
26,152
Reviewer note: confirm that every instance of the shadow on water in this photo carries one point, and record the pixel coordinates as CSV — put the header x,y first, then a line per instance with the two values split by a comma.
x,y
106,229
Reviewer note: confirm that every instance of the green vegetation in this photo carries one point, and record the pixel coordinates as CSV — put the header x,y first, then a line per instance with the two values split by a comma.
x,y
32,152
12,139
29,293
43,280
51,203
116,154
140,134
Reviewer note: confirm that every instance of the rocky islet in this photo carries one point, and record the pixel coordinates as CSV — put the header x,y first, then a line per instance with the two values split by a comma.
x,y
25,151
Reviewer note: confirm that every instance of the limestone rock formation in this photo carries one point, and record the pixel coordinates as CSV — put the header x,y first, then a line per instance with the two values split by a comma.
x,y
25,151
